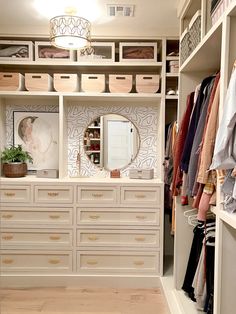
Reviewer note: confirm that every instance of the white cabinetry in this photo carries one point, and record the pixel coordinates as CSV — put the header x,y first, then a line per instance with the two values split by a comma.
x,y
85,229
216,51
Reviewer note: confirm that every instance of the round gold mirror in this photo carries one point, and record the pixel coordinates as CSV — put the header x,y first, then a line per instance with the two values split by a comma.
x,y
111,141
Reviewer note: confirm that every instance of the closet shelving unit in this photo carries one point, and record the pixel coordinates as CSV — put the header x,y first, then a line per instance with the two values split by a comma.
x,y
216,51
60,102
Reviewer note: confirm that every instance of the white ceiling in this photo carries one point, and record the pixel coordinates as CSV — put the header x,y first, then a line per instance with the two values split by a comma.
x,y
152,18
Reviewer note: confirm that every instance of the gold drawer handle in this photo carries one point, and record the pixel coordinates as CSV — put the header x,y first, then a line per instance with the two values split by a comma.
x,y
92,262
54,216
140,195
94,217
141,217
97,195
7,216
9,194
55,237
54,261
140,239
53,194
7,261
7,237
93,238
138,263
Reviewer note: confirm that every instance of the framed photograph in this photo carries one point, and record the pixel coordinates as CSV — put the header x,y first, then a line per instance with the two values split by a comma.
x,y
37,132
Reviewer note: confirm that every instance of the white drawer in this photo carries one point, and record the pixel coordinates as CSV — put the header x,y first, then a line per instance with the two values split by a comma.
x,y
118,262
35,238
118,216
53,194
118,238
15,194
41,261
141,196
97,196
17,216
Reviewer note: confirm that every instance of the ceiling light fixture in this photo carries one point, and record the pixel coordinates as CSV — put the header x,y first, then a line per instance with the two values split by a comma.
x,y
70,31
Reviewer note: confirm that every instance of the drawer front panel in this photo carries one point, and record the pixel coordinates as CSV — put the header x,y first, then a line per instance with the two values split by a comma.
x,y
40,216
125,262
96,195
115,216
34,238
141,196
118,238
52,194
19,261
15,194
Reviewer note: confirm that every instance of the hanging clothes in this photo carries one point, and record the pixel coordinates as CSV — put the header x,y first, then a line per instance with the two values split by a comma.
x,y
178,149
225,145
184,164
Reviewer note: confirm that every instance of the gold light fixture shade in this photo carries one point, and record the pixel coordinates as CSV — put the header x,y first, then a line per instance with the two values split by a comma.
x,y
69,31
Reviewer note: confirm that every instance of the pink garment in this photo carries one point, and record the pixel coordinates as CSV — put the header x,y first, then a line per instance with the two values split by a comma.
x,y
204,206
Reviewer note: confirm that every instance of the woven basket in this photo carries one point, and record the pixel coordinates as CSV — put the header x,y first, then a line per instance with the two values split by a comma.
x,y
185,47
195,30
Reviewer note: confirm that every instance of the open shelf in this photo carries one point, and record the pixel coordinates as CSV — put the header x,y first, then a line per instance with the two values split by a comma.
x,y
203,58
229,218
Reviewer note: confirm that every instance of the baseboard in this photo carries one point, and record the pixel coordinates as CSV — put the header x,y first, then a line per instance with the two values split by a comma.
x,y
114,281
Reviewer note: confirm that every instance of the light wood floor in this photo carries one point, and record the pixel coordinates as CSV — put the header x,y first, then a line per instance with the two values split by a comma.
x,y
82,301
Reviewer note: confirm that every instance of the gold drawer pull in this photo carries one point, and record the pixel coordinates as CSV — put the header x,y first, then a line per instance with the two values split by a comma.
x,y
97,195
55,237
94,216
54,216
92,262
93,238
54,261
7,237
140,195
140,239
53,194
7,261
7,216
9,194
141,217
138,263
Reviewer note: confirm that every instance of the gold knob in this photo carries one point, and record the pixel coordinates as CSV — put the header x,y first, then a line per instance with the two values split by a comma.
x,y
9,194
140,196
7,261
138,263
97,195
54,261
7,216
92,262
53,193
140,239
54,216
93,238
141,217
7,237
94,216
55,237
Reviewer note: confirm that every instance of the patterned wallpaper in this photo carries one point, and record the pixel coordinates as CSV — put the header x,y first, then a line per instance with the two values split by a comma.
x,y
143,117
79,116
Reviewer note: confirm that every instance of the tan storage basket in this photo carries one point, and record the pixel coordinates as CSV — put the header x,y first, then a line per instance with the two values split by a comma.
x,y
11,81
147,83
65,82
120,83
147,174
93,83
38,82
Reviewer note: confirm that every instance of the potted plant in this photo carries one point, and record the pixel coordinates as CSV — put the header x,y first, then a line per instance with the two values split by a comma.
x,y
14,160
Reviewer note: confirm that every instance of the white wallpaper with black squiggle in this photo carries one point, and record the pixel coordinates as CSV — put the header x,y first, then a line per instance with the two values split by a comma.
x,y
145,118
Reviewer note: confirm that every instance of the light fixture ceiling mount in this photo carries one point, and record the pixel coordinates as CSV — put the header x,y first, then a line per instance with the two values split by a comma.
x,y
70,31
